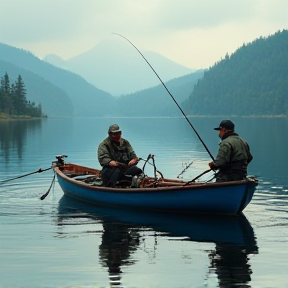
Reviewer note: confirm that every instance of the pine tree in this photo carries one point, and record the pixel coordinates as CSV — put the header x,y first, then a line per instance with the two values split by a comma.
x,y
20,101
13,99
6,104
5,83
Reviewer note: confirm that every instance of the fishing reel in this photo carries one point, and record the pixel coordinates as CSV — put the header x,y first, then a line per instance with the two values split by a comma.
x,y
60,160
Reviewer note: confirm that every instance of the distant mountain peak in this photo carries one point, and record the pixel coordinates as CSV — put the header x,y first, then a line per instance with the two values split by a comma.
x,y
115,66
56,61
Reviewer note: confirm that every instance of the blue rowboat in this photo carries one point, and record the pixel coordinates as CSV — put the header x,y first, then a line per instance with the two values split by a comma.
x,y
162,194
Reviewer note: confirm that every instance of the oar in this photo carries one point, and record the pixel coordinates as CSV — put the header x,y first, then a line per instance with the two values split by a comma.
x,y
193,180
44,195
38,171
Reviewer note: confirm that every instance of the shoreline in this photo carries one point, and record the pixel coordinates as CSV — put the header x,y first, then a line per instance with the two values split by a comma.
x,y
6,117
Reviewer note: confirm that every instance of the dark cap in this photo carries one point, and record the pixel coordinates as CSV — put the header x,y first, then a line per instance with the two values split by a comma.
x,y
226,124
114,128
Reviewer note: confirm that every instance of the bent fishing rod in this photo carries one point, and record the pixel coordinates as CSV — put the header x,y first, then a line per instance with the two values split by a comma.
x,y
170,95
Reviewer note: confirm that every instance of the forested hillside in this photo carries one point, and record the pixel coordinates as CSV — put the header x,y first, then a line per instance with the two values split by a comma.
x,y
62,93
156,101
87,99
13,99
39,90
252,81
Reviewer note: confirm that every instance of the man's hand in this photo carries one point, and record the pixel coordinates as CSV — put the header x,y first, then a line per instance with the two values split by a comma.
x,y
212,165
113,163
133,162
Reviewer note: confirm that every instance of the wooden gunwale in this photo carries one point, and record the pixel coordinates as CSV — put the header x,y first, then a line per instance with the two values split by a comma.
x,y
164,184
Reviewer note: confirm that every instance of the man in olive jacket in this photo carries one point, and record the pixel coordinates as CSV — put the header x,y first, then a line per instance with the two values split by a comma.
x,y
233,155
117,157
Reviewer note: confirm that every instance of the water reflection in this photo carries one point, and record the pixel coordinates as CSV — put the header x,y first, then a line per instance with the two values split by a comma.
x,y
119,241
230,261
233,237
13,136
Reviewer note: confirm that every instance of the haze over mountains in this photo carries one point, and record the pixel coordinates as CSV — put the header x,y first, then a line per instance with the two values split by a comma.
x,y
78,90
64,93
115,66
54,100
251,81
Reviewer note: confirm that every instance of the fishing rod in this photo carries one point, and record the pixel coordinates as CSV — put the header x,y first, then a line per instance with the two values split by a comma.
x,y
170,95
38,171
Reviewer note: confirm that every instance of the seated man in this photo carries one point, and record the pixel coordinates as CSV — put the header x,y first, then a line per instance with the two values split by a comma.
x,y
117,157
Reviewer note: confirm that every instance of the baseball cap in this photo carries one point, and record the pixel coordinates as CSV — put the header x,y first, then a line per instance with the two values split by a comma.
x,y
114,128
226,124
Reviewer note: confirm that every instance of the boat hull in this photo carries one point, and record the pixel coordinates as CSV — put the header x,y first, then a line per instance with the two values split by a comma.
x,y
215,198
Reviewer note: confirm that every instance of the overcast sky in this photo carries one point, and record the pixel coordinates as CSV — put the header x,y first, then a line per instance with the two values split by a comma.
x,y
194,33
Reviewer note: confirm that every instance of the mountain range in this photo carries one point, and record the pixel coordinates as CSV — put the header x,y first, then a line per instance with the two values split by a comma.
x,y
252,81
65,93
156,101
115,66
75,96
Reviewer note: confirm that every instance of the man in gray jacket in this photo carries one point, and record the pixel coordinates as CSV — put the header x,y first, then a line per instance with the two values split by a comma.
x,y
233,155
117,157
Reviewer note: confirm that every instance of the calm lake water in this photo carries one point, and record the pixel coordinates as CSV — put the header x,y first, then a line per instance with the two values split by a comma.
x,y
60,242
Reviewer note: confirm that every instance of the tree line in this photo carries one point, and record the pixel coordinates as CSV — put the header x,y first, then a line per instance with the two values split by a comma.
x,y
13,99
251,81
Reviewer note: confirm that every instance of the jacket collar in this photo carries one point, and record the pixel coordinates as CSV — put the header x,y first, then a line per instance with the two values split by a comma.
x,y
226,135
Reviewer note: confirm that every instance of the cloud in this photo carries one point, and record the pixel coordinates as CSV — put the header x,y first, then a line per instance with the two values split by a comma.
x,y
174,28
36,20
187,14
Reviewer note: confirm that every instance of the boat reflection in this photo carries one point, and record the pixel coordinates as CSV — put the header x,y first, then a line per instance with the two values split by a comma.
x,y
119,241
233,237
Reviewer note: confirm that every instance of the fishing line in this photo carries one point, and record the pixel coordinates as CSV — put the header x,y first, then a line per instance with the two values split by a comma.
x,y
170,95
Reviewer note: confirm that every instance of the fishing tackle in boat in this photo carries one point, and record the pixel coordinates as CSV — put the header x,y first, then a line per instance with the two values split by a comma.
x,y
185,169
161,194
